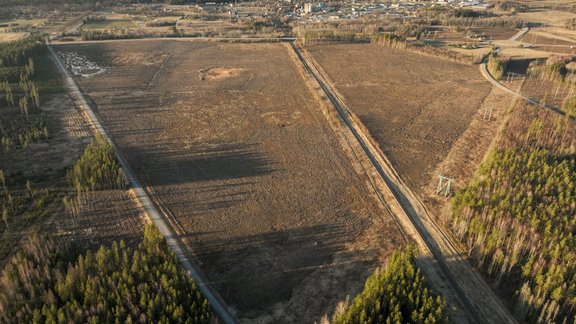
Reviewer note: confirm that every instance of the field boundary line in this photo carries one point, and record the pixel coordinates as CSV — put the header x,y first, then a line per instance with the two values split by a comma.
x,y
161,220
414,215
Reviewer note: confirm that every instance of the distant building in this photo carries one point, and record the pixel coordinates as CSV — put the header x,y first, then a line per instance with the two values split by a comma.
x,y
308,7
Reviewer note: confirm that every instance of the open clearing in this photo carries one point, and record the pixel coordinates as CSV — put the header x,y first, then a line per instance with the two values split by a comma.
x,y
233,146
105,215
415,106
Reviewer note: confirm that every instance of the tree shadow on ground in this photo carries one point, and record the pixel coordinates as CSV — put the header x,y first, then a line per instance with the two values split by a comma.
x,y
161,165
254,272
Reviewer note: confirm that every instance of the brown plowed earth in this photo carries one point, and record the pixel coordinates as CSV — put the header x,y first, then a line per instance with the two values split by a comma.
x,y
249,170
414,106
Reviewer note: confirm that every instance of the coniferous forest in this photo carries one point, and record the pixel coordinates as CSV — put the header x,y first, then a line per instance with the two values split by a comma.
x,y
397,294
518,216
42,284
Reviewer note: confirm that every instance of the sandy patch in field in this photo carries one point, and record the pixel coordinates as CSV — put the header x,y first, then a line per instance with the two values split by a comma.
x,y
219,73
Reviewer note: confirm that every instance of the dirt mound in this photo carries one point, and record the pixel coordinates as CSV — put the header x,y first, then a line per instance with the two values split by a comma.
x,y
219,73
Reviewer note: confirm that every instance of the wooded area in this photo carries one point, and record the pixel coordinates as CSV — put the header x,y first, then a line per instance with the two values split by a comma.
x,y
397,294
517,217
43,283
97,168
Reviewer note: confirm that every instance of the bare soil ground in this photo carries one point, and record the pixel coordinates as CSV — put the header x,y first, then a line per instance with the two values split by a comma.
x,y
495,33
233,145
414,106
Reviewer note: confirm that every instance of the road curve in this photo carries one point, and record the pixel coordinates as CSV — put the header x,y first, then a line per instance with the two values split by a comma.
x,y
486,74
474,295
160,219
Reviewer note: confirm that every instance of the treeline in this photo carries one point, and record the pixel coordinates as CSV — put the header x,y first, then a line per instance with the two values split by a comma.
x,y
89,2
41,284
18,52
97,168
442,16
512,6
134,34
553,68
398,42
109,34
397,294
19,89
496,66
517,216
331,36
59,2
389,40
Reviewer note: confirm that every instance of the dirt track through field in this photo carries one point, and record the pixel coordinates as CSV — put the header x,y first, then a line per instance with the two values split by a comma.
x,y
465,289
245,164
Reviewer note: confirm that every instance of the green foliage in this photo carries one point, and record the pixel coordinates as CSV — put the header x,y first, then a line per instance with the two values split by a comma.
x,y
116,284
328,36
22,203
569,106
495,66
24,73
108,34
397,294
97,168
518,220
18,52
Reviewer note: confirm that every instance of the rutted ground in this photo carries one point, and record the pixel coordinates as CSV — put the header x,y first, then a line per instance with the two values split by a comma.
x,y
233,145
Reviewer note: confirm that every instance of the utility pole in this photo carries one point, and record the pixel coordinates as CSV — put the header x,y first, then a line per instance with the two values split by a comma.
x,y
487,112
444,184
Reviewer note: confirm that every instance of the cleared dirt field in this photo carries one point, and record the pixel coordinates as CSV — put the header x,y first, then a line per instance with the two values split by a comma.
x,y
232,144
415,106
495,33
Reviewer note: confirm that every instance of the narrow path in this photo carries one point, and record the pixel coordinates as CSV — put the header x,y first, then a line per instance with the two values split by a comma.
x,y
519,34
476,298
161,220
